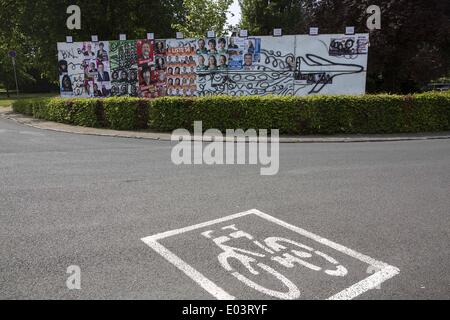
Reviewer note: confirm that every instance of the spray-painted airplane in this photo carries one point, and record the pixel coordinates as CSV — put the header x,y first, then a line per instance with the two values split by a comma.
x,y
327,70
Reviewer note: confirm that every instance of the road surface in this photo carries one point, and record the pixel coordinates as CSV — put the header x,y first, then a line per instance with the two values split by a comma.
x,y
68,199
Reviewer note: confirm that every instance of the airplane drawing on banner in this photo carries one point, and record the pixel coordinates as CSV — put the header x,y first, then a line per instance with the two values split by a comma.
x,y
331,64
317,72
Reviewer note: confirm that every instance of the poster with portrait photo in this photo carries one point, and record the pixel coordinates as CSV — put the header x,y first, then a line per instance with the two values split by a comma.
x,y
160,63
102,52
212,63
145,51
70,58
211,55
66,87
102,80
209,59
71,69
148,79
202,63
201,47
89,50
161,67
96,68
253,47
88,88
101,89
90,69
146,68
252,53
62,67
160,47
124,67
103,71
235,50
211,46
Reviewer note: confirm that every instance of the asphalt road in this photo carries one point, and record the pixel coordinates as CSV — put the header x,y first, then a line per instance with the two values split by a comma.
x,y
68,199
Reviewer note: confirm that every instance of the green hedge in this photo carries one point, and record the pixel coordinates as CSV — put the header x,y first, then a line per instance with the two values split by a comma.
x,y
26,106
292,115
307,115
125,113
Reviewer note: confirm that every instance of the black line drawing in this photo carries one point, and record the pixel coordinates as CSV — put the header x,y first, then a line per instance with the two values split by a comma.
x,y
273,75
328,70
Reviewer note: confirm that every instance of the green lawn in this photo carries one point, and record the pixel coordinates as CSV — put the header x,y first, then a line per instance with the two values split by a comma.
x,y
6,102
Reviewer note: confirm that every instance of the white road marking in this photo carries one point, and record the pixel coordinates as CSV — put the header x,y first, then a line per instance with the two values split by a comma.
x,y
202,281
385,271
334,245
171,233
367,284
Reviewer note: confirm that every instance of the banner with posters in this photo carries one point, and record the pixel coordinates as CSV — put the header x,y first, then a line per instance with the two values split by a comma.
x,y
213,57
181,67
147,76
252,53
70,69
102,76
84,69
235,50
263,65
161,67
212,65
124,68
267,67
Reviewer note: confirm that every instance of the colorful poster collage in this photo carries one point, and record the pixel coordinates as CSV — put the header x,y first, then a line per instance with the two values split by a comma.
x,y
96,69
161,68
236,46
212,55
148,68
349,45
70,68
252,53
147,75
181,67
124,68
84,69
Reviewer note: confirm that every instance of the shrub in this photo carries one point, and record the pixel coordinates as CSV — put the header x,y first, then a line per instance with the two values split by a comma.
x,y
125,113
84,112
307,115
81,112
168,113
26,106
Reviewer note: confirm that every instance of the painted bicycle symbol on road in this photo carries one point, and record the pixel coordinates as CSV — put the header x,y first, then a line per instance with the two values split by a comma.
x,y
254,254
284,253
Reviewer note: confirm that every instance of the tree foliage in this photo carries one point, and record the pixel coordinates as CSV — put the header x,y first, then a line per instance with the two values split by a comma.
x,y
259,17
412,47
34,27
202,16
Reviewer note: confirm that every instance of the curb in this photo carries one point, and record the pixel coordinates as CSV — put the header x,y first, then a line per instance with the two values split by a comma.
x,y
6,113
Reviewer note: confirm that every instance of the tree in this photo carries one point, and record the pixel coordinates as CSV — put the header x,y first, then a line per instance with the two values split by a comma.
x,y
34,27
202,16
260,17
412,47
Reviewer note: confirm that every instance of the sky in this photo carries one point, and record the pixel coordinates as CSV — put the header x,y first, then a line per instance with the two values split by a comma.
x,y
236,9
